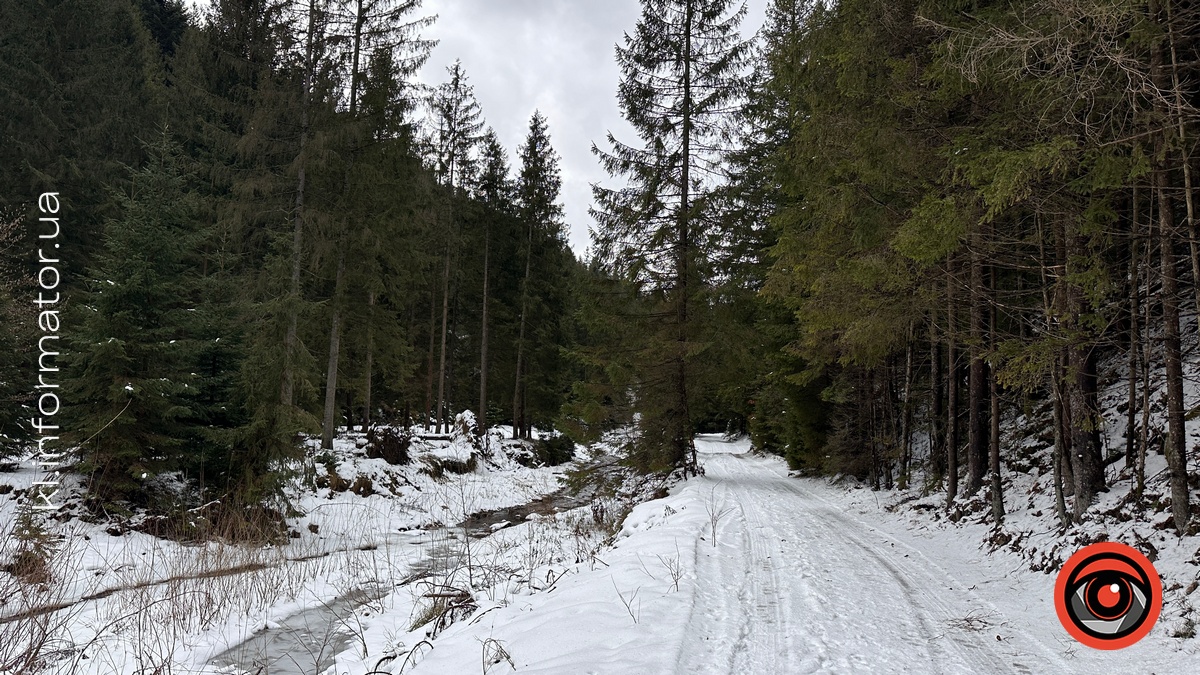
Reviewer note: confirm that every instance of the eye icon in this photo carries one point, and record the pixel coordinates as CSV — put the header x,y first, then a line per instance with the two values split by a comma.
x,y
1108,596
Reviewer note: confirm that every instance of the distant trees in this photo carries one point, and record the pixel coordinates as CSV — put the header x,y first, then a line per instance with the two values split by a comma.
x,y
880,224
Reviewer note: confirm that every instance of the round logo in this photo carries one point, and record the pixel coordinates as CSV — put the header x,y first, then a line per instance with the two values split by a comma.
x,y
1108,595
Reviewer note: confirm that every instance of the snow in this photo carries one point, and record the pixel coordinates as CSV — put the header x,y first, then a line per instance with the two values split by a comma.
x,y
745,570
136,603
801,577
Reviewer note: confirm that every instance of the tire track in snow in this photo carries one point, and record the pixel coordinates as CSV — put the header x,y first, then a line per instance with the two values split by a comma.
x,y
794,587
930,575
720,604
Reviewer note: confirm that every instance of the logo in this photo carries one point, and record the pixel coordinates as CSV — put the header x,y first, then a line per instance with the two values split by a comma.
x,y
1108,596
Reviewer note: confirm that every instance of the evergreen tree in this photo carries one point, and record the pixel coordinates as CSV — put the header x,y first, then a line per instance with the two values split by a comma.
x,y
166,20
390,191
80,83
370,27
538,187
241,107
749,379
680,74
496,191
132,354
453,142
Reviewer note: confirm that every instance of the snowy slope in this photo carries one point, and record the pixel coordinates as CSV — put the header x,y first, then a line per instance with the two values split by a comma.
x,y
134,603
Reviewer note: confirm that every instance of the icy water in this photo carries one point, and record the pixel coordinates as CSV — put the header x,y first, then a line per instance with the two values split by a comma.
x,y
485,523
303,643
307,642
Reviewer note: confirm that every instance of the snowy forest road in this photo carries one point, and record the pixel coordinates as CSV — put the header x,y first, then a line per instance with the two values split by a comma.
x,y
794,585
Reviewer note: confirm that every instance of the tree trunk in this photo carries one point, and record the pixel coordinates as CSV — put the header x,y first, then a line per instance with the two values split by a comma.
x,y
937,395
1064,401
369,364
1059,454
994,417
1056,386
874,434
1172,357
977,377
1134,331
287,384
906,414
1180,116
441,404
1087,464
685,449
526,425
518,386
952,381
1063,309
483,336
994,451
1176,446
331,371
429,365
1147,309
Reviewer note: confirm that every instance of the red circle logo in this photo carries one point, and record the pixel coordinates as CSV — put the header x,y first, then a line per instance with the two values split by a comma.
x,y
1108,595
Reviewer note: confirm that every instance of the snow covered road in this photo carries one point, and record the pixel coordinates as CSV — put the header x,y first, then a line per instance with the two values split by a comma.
x,y
794,585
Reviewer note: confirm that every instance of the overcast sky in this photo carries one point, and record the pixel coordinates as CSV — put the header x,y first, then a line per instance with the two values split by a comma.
x,y
550,55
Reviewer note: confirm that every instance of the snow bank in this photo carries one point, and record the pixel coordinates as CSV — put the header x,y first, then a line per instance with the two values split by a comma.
x,y
136,603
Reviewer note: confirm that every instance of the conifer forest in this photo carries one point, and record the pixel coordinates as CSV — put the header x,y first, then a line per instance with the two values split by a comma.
x,y
878,297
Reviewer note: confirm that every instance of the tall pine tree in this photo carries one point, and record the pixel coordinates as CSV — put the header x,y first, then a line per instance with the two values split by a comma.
x,y
681,72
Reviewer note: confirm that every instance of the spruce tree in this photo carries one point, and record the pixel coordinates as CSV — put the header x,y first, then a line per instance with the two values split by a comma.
x,y
166,20
242,114
681,71
131,355
80,86
390,189
538,186
369,28
453,143
496,191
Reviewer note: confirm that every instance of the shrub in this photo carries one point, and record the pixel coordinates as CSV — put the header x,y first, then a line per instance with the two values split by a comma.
x,y
433,467
362,486
33,552
335,481
438,467
555,450
389,444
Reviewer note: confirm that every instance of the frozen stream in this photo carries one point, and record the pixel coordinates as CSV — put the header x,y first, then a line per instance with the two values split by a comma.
x,y
306,643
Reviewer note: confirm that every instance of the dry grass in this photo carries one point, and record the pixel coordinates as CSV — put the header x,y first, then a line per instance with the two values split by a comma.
x,y
32,638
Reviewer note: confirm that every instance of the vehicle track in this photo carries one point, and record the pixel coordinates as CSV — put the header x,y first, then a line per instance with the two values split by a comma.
x,y
794,585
